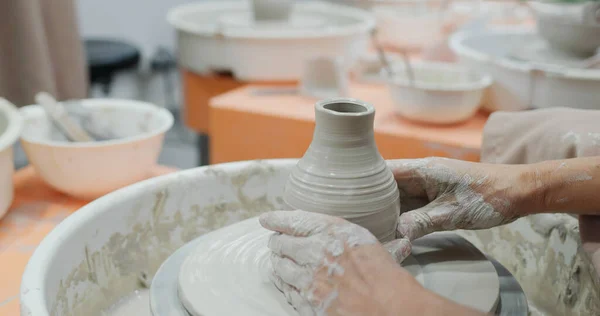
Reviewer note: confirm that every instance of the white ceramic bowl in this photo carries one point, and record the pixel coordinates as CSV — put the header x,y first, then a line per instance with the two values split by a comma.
x,y
94,257
440,94
11,124
92,169
570,27
520,85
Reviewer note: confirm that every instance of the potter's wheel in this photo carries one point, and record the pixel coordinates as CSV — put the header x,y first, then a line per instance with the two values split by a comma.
x,y
226,272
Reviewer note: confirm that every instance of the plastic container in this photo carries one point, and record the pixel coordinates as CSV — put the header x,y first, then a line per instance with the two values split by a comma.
x,y
440,94
94,258
521,85
222,36
135,132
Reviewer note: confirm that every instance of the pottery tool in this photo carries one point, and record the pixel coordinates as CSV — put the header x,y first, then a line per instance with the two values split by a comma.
x,y
385,61
59,115
381,54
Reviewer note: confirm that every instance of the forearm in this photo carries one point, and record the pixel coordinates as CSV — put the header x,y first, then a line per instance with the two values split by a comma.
x,y
571,185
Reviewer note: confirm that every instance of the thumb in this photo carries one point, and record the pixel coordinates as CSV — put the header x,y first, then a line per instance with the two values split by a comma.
x,y
423,221
399,249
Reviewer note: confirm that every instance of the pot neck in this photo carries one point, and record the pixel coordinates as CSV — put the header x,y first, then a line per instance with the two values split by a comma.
x,y
344,122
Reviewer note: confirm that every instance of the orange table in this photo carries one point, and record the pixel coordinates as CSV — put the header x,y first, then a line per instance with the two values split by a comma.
x,y
245,125
36,210
198,89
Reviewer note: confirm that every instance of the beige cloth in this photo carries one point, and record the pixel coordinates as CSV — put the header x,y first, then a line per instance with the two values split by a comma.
x,y
534,136
40,49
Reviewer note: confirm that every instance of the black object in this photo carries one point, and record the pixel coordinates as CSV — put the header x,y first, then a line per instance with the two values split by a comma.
x,y
163,61
106,57
203,148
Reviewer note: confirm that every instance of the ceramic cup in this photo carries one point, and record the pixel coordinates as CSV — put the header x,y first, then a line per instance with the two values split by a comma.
x,y
272,10
324,77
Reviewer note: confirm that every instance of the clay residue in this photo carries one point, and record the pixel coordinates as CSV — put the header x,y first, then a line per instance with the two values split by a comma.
x,y
571,138
544,253
113,271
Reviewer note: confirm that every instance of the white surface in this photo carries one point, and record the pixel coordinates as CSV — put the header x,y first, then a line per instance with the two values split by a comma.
x,y
11,124
91,169
265,54
228,273
440,94
521,85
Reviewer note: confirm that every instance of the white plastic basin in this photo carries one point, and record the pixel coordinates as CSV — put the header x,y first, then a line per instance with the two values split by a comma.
x,y
94,257
91,169
207,40
441,93
520,85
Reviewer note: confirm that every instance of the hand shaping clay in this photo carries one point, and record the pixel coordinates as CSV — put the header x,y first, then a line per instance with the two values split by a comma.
x,y
227,273
342,173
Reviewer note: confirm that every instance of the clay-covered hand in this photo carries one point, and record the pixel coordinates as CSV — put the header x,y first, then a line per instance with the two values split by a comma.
x,y
327,266
439,194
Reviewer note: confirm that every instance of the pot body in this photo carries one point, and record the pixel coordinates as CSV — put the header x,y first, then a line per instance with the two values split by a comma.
x,y
342,173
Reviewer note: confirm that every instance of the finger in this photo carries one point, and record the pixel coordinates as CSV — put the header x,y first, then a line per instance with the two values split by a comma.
x,y
295,223
399,249
426,220
409,176
291,273
293,297
302,250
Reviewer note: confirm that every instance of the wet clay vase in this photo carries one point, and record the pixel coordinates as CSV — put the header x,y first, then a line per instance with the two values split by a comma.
x,y
342,173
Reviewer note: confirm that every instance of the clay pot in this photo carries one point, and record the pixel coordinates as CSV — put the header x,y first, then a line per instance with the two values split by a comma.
x,y
342,173
272,10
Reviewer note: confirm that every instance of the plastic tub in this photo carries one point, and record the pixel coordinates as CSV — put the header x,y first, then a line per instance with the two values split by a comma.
x,y
94,257
91,169
441,93
521,85
208,40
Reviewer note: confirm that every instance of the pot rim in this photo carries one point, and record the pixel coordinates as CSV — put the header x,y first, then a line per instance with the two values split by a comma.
x,y
480,81
100,103
456,43
320,106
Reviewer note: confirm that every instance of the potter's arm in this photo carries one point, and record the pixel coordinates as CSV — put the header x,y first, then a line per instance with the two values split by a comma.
x,y
442,194
568,186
